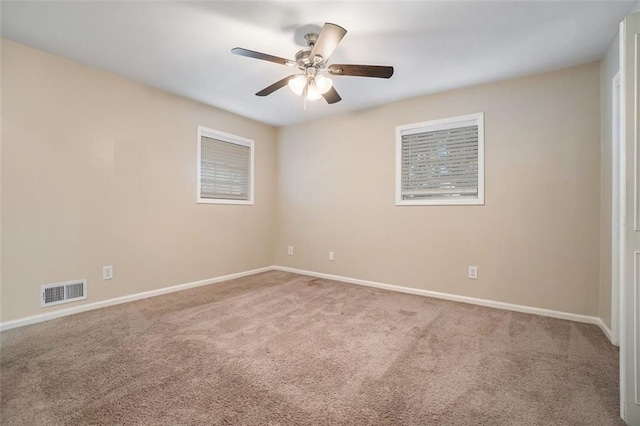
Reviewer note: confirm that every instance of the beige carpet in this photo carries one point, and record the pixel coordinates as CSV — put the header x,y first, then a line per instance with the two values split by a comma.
x,y
280,349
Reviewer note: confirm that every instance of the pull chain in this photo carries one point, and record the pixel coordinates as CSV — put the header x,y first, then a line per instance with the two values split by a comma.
x,y
304,94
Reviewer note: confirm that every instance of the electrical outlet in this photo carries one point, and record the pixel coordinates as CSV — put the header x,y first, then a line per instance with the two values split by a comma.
x,y
107,272
473,273
290,250
331,256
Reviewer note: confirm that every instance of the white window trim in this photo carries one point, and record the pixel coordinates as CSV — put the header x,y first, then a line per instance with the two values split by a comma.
x,y
438,125
226,137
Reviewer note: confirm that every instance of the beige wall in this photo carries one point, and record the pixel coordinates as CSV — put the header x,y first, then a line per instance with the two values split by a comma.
x,y
535,241
98,170
81,149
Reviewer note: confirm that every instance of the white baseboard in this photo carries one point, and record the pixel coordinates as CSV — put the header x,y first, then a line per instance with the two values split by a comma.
x,y
456,298
446,296
124,299
606,330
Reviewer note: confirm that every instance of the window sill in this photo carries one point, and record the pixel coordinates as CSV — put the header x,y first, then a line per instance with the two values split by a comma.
x,y
223,201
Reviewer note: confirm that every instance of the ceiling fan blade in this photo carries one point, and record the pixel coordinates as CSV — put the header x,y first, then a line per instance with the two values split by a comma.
x,y
275,86
361,70
328,40
265,57
332,96
377,71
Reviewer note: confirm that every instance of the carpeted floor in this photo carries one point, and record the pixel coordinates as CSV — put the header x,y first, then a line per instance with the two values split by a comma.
x,y
280,349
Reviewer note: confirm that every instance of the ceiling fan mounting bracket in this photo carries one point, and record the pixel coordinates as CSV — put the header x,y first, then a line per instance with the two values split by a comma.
x,y
311,39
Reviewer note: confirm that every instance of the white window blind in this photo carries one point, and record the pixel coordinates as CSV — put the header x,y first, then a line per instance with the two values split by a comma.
x,y
440,162
225,169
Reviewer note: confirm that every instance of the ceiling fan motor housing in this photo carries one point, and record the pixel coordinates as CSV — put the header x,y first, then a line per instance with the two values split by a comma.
x,y
302,58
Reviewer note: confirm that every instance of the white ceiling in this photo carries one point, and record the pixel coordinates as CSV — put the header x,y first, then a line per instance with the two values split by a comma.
x,y
184,47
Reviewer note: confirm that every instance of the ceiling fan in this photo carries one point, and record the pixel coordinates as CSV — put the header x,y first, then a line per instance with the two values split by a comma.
x,y
312,82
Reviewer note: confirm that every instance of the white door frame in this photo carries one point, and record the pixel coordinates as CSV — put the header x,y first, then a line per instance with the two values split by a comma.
x,y
617,211
622,108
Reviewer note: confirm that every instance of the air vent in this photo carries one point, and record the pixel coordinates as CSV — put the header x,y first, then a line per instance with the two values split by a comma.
x,y
55,294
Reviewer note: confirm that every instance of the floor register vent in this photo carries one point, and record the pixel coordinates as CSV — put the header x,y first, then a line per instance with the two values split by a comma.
x,y
55,294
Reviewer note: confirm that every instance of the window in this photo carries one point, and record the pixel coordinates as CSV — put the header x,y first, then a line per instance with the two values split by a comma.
x,y
225,168
441,162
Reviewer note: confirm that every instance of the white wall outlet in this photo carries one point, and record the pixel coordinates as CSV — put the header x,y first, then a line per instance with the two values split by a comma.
x,y
290,250
107,272
331,256
473,272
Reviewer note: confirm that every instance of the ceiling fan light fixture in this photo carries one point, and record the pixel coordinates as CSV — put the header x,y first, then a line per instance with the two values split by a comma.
x,y
323,83
297,83
318,85
313,92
